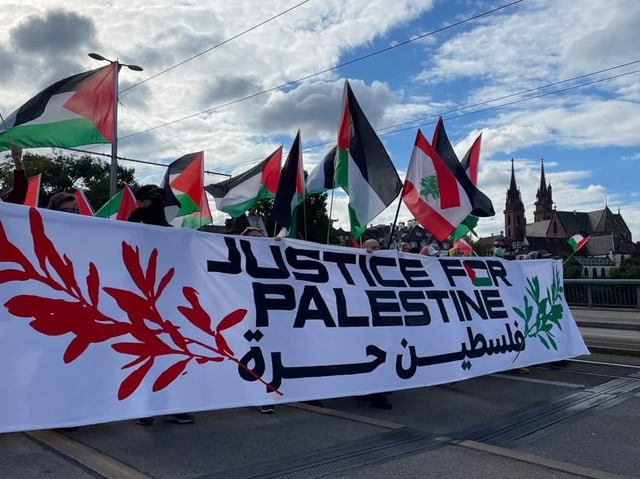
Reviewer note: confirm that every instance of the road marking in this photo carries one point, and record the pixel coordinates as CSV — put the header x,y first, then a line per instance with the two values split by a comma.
x,y
95,461
539,460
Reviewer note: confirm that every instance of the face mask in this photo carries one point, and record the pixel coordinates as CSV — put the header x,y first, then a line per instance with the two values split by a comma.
x,y
498,251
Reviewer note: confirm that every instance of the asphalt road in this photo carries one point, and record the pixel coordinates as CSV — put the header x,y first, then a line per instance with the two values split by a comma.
x,y
576,419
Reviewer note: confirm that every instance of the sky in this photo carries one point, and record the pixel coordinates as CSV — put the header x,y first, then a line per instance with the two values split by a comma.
x,y
552,80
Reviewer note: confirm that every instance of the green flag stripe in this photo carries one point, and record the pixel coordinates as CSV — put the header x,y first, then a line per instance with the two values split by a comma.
x,y
79,131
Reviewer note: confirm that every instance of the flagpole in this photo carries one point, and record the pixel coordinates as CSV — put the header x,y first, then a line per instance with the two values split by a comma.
x,y
395,220
330,222
569,257
113,179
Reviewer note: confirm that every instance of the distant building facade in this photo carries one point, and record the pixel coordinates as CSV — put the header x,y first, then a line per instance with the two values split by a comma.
x,y
610,238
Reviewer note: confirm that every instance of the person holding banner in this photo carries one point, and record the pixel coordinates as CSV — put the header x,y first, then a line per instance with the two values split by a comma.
x,y
257,233
150,211
18,192
377,400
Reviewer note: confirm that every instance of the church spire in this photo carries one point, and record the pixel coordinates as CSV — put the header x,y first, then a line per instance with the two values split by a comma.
x,y
544,200
543,184
514,219
512,184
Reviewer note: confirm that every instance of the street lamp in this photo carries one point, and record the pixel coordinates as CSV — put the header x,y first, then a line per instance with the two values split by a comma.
x,y
113,180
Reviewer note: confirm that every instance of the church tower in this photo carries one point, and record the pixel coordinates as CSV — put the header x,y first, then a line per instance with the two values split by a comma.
x,y
514,219
544,201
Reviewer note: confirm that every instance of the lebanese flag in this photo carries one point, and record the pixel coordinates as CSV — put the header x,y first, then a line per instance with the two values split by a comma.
x,y
577,241
363,168
432,193
33,191
84,207
74,111
240,193
183,183
120,206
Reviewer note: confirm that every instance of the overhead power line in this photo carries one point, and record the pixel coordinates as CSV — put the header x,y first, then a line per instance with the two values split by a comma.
x,y
326,70
224,42
432,118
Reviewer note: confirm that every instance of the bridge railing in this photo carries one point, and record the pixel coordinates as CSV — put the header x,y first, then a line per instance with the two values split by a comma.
x,y
605,293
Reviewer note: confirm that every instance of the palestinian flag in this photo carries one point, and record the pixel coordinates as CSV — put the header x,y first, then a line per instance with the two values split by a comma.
x,y
77,110
197,219
33,191
470,163
240,193
432,193
183,183
321,177
577,241
481,204
119,207
471,160
84,207
478,277
363,167
290,191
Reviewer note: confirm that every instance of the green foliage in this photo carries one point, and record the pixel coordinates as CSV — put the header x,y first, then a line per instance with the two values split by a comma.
x,y
571,269
312,219
629,269
548,311
66,173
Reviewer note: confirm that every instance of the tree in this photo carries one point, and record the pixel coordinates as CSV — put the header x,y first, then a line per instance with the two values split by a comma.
x,y
66,173
571,269
629,269
314,211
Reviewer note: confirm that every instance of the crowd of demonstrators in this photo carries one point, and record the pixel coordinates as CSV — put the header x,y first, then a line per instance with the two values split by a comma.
x,y
63,201
150,202
430,250
404,247
20,182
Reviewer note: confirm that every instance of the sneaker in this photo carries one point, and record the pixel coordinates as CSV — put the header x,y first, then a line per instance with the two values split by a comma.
x,y
145,421
180,418
523,370
267,409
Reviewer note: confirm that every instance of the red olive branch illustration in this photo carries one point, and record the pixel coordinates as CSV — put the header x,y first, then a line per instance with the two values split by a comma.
x,y
79,315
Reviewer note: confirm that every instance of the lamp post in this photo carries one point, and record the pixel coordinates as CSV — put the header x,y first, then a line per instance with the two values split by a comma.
x,y
113,180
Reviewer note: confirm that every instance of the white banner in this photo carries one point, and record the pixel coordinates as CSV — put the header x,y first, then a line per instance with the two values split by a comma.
x,y
106,320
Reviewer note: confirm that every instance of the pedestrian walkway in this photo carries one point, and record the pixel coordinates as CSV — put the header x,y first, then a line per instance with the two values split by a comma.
x,y
611,331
